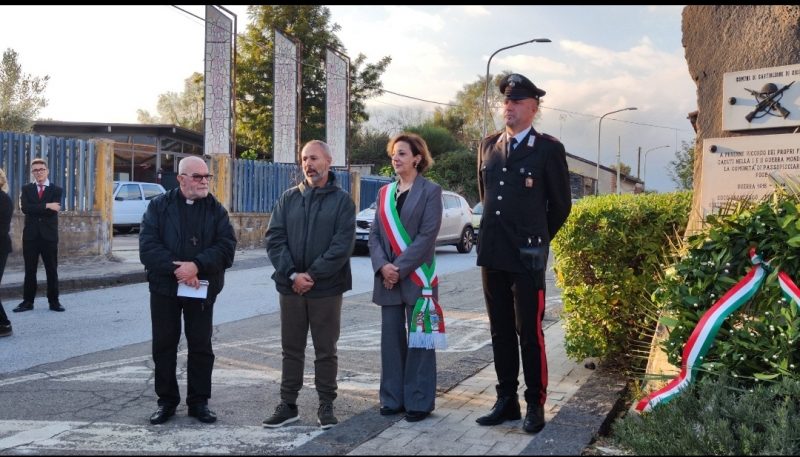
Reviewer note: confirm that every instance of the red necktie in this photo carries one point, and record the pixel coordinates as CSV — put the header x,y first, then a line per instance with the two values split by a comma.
x,y
41,191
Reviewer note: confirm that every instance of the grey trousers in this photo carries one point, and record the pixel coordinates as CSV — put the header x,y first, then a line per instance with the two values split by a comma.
x,y
323,316
408,375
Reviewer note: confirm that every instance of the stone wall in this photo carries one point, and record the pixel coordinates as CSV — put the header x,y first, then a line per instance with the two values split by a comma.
x,y
718,39
250,229
77,236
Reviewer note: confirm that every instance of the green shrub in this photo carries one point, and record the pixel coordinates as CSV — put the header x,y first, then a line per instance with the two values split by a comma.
x,y
758,342
718,417
607,259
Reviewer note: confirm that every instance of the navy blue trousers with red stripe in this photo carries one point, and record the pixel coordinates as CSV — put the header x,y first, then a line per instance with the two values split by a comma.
x,y
515,304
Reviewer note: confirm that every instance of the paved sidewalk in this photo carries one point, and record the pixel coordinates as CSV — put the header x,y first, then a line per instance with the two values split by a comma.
x,y
451,428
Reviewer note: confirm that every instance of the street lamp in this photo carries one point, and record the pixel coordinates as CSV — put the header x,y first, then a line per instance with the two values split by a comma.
x,y
597,172
486,89
644,171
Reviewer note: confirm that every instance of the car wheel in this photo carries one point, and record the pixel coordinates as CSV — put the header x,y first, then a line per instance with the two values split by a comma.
x,y
464,245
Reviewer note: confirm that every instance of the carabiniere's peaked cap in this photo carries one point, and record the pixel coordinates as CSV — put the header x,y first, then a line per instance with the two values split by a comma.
x,y
518,87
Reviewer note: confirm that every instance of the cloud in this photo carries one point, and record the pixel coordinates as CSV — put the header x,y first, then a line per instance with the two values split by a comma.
x,y
475,10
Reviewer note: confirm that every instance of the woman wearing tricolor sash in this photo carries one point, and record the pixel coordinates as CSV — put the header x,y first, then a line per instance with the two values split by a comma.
x,y
402,243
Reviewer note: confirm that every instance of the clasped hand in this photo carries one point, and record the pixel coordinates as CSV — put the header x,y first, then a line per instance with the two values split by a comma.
x,y
187,273
302,283
391,275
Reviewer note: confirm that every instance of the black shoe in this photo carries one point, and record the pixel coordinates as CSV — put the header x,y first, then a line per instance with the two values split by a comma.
x,y
24,306
5,330
56,306
386,411
504,409
534,419
202,413
416,416
162,414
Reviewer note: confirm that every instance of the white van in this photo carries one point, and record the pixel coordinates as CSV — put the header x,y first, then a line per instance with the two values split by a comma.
x,y
130,202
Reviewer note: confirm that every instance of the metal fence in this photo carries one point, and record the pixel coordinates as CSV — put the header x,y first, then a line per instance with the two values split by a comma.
x,y
71,162
257,185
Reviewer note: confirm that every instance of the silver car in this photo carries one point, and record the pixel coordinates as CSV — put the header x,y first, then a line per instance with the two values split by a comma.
x,y
456,228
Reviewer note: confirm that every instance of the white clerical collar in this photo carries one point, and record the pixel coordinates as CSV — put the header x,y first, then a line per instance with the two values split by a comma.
x,y
189,202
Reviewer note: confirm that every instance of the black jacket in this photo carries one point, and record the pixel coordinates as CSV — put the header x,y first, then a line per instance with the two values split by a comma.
x,y
161,234
526,196
40,222
313,230
6,210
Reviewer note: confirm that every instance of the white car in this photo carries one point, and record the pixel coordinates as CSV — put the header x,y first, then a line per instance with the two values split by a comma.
x,y
477,214
456,228
130,202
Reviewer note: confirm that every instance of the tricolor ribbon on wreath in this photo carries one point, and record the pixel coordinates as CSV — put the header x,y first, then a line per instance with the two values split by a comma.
x,y
426,328
706,330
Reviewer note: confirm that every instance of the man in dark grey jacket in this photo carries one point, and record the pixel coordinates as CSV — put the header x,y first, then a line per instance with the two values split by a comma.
x,y
185,238
310,238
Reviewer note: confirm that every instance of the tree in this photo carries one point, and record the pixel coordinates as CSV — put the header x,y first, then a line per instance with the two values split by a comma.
x,y
20,95
184,109
465,119
455,166
368,146
624,168
682,171
310,24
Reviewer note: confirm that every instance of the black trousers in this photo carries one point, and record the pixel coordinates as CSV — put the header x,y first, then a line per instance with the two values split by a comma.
x,y
516,308
165,314
48,250
3,316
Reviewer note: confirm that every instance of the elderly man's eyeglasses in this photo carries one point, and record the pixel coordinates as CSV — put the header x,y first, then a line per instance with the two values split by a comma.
x,y
199,178
38,170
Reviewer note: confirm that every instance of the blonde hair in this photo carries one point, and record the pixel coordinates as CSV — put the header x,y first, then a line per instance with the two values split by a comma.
x,y
3,181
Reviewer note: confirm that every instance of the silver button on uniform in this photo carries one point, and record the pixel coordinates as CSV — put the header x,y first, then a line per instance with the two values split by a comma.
x,y
497,213
499,197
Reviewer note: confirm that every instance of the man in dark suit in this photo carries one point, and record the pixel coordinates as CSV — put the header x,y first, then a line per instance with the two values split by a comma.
x,y
523,181
40,201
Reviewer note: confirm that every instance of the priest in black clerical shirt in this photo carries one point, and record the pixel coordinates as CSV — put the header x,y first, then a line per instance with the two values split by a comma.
x,y
186,242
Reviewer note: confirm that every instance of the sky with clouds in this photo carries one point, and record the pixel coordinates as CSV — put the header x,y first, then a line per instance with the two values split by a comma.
x,y
105,62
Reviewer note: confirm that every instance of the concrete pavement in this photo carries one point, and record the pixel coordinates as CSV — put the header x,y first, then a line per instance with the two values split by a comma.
x,y
580,401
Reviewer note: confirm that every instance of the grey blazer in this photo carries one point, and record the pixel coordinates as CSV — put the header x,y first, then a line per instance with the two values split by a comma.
x,y
421,216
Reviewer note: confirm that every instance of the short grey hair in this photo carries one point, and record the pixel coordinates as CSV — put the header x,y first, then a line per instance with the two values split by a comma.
x,y
322,144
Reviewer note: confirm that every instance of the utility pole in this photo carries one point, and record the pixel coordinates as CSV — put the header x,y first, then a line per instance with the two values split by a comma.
x,y
638,162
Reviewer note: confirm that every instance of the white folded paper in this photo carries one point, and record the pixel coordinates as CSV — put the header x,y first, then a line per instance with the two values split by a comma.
x,y
191,292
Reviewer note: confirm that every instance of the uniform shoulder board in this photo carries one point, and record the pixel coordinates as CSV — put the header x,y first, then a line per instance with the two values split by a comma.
x,y
549,137
492,138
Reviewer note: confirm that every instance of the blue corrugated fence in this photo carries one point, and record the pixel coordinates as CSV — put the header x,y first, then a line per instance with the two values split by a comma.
x,y
257,185
71,162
